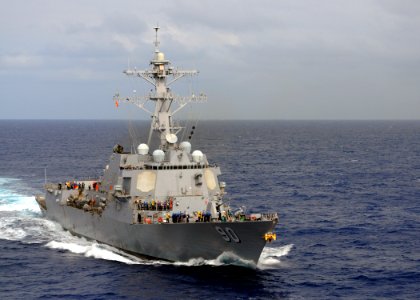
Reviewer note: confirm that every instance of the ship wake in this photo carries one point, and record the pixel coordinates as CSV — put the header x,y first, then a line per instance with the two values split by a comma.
x,y
270,259
21,220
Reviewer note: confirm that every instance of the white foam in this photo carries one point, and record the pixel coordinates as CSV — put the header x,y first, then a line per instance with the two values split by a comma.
x,y
79,245
276,251
8,232
27,229
94,250
18,213
270,257
10,200
226,258
19,203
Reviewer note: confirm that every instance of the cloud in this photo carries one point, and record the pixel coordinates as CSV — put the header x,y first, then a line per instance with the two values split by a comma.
x,y
126,42
288,54
21,61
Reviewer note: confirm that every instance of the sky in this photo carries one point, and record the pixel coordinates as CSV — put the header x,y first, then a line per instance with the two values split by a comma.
x,y
285,60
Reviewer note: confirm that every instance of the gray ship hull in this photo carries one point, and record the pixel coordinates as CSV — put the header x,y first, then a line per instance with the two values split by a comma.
x,y
173,241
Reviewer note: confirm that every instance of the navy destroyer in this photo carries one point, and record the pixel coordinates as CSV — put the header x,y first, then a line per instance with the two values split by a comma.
x,y
167,203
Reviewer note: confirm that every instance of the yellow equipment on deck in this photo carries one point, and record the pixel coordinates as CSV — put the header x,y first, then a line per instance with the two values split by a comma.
x,y
270,236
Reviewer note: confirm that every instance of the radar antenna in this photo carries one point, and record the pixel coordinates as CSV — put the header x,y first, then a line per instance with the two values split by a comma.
x,y
156,39
161,75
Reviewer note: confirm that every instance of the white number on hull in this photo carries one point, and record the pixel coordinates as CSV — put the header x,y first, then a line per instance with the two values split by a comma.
x,y
228,234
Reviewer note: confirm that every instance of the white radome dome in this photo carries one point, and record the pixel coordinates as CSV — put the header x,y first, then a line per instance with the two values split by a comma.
x,y
197,156
158,155
186,146
171,138
143,149
160,56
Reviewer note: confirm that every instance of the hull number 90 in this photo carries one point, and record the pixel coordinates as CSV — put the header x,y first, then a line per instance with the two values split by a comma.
x,y
228,234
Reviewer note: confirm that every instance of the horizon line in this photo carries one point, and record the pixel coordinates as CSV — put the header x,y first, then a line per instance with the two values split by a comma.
x,y
233,120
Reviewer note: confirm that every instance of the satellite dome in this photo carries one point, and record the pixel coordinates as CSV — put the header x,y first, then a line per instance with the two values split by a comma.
x,y
186,146
143,149
197,156
158,155
171,138
160,56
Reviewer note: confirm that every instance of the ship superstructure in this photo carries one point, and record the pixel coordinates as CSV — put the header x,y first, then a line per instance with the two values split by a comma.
x,y
166,203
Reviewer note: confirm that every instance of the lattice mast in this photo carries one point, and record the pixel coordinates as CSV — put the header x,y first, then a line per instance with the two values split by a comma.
x,y
161,76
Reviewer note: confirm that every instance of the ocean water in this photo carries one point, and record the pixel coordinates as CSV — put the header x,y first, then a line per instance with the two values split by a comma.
x,y
348,196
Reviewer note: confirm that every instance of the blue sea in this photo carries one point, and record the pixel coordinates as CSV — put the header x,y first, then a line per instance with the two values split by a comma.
x,y
347,193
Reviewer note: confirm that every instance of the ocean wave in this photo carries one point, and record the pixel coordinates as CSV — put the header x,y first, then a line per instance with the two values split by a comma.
x,y
19,214
12,201
270,257
95,250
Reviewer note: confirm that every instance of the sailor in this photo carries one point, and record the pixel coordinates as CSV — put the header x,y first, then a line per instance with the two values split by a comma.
x,y
223,216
